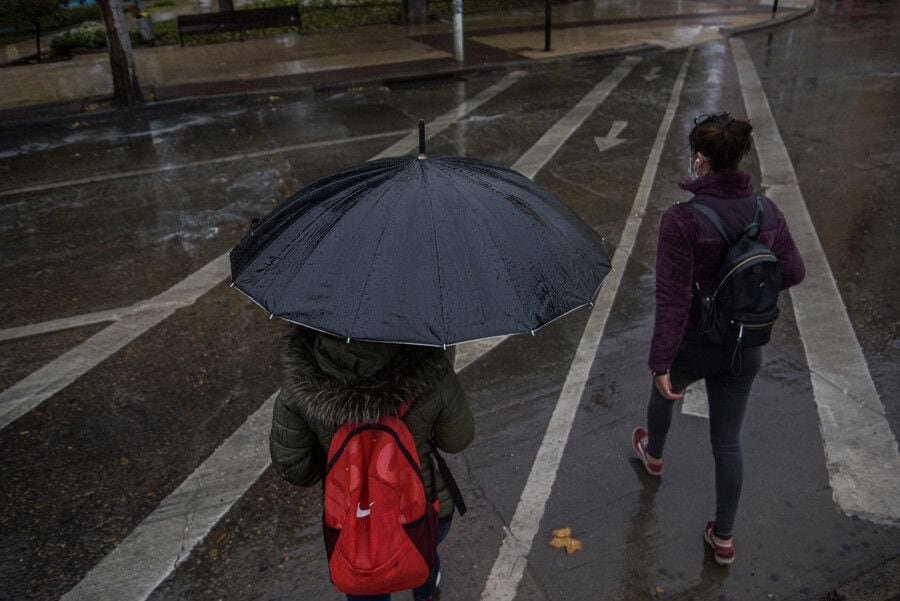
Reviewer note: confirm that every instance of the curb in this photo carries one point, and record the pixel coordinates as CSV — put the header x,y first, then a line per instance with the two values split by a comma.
x,y
36,114
730,32
484,68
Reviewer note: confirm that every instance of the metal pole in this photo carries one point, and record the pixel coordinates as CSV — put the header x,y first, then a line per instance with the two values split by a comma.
x,y
547,18
421,138
774,7
459,52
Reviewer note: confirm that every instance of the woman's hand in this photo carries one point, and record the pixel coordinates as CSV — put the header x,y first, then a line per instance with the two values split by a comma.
x,y
663,384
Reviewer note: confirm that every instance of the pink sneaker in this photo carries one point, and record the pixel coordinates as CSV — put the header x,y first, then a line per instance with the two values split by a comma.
x,y
653,466
723,551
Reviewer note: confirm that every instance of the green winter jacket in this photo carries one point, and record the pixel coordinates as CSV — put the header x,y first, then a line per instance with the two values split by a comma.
x,y
328,382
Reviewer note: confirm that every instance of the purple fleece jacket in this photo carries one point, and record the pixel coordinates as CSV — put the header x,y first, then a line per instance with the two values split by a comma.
x,y
690,252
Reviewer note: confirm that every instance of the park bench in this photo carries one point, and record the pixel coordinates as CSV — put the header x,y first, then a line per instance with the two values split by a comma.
x,y
238,20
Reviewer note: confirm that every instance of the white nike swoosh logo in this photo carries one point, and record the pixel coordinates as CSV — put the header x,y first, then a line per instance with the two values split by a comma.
x,y
364,513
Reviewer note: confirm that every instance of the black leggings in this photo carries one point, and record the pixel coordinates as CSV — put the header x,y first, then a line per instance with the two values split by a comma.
x,y
698,359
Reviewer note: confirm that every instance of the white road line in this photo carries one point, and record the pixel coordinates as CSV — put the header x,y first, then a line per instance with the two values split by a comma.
x,y
65,369
509,566
166,168
166,537
860,448
530,163
34,389
411,141
695,401
540,153
63,323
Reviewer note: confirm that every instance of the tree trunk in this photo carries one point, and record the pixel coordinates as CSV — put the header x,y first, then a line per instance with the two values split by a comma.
x,y
415,11
126,90
226,5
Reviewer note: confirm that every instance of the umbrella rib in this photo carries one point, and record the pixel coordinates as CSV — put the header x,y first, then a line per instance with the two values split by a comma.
x,y
437,256
322,209
362,293
495,246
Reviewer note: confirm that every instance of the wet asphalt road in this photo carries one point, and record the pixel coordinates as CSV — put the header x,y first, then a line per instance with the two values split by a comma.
x,y
84,468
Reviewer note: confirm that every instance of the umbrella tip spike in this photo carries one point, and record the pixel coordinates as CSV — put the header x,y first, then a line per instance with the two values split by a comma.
x,y
271,315
422,138
231,285
348,340
532,332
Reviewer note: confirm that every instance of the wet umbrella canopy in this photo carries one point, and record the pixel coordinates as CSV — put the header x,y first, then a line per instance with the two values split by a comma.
x,y
431,251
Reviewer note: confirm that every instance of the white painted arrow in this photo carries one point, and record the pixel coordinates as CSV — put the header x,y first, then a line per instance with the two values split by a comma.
x,y
652,74
611,140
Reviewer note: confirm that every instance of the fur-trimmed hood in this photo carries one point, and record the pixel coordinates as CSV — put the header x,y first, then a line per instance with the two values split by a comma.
x,y
335,382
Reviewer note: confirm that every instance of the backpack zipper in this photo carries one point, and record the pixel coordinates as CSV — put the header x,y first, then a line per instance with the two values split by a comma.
x,y
739,265
751,326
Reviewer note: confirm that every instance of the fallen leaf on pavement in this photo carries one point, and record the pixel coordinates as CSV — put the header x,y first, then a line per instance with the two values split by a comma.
x,y
562,539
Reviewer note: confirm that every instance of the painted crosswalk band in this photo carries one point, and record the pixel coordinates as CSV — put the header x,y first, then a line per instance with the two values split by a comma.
x,y
860,448
508,568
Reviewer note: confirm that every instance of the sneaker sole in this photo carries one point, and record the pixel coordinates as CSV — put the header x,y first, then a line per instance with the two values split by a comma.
x,y
722,561
643,458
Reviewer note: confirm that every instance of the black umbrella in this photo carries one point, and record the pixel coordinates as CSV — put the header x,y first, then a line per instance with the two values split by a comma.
x,y
421,250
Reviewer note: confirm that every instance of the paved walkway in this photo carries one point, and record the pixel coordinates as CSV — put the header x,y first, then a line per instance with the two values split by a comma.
x,y
386,51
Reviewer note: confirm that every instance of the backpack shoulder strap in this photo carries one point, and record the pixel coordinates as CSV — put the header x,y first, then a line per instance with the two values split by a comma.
x,y
712,216
754,228
449,480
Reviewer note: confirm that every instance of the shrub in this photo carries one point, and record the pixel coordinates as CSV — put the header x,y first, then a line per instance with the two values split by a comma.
x,y
87,36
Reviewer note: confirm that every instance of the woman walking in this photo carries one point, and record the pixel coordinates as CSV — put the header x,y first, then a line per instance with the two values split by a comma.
x,y
689,255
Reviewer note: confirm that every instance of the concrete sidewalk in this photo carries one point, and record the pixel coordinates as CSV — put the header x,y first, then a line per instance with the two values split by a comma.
x,y
386,51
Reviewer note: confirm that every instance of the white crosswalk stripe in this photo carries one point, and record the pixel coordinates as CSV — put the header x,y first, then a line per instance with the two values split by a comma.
x,y
860,448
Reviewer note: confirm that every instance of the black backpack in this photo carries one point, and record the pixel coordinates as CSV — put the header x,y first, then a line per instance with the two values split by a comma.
x,y
742,304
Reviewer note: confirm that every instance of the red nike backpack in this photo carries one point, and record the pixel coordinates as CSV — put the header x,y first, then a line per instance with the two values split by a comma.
x,y
380,526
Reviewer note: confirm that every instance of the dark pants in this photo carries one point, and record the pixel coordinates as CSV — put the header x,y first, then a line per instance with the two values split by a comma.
x,y
426,591
698,359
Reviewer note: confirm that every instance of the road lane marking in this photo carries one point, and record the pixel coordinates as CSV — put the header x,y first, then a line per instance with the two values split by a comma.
x,y
63,323
167,168
611,139
509,566
860,448
165,538
536,157
530,163
411,142
34,389
695,401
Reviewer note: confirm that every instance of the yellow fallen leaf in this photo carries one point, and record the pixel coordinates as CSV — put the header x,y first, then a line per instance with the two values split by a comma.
x,y
660,589
558,543
562,539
